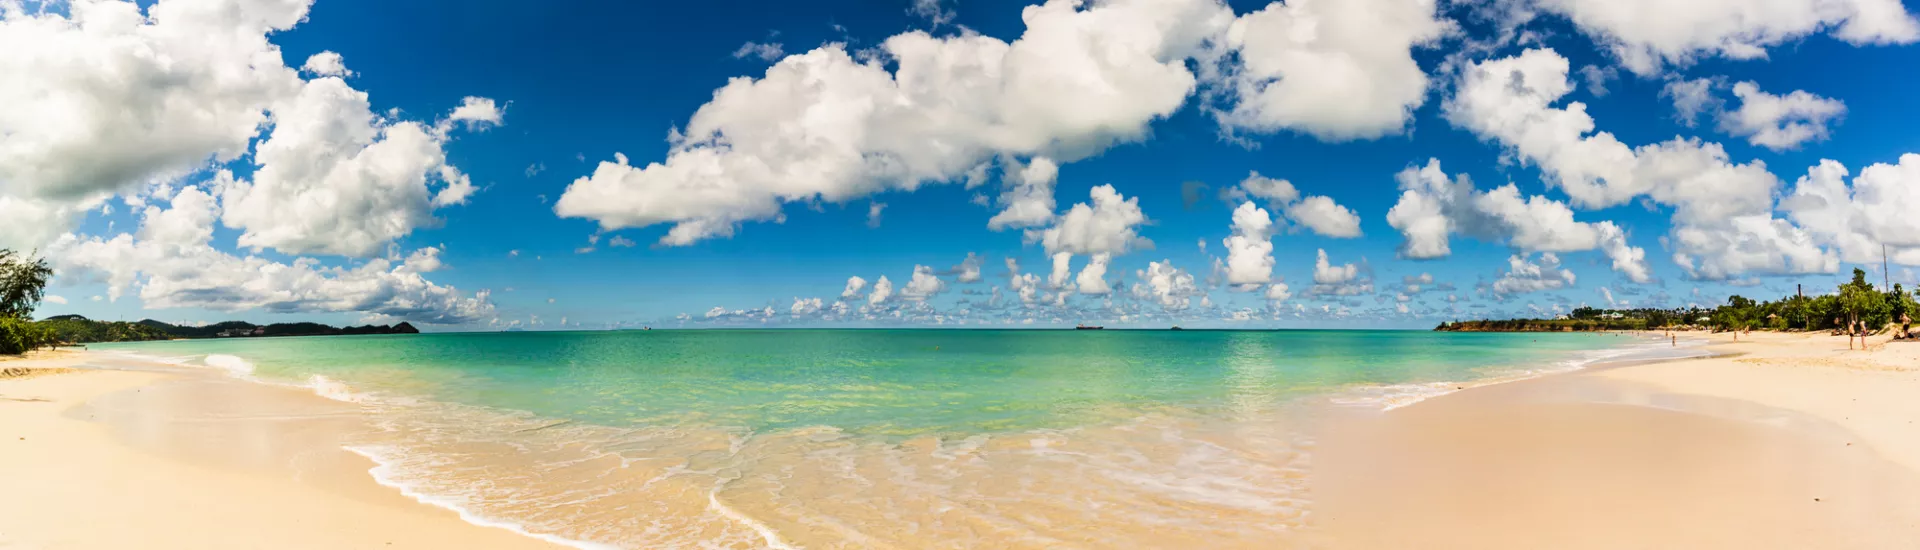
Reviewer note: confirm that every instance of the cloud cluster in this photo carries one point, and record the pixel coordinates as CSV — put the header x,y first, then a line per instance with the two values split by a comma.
x,y
1106,228
1648,35
1316,213
1524,276
1855,220
1723,223
1250,248
828,126
334,178
1028,200
1433,207
824,126
1780,122
107,99
1338,280
171,263
1170,287
1335,69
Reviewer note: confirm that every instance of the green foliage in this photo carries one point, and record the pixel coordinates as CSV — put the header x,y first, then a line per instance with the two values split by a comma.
x,y
1901,305
1658,318
1857,301
81,330
229,328
1545,325
23,280
1740,313
19,336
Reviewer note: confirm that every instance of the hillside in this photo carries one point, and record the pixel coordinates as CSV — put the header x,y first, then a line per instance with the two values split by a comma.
x,y
231,329
81,330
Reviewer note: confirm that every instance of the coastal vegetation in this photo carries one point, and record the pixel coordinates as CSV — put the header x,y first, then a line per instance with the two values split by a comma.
x,y
23,281
242,329
1856,307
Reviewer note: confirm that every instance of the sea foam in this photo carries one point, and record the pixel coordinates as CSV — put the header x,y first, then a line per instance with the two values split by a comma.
x,y
1394,396
332,389
236,366
385,474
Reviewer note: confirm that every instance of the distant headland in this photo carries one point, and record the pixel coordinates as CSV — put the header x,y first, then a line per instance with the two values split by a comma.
x,y
1856,308
75,329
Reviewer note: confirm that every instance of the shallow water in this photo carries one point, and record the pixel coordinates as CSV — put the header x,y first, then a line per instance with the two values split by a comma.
x,y
874,438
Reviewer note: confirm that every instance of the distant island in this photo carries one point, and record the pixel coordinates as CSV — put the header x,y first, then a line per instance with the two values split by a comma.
x,y
1857,308
75,329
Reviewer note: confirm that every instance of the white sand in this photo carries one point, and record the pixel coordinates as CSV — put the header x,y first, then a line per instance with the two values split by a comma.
x,y
1798,443
68,482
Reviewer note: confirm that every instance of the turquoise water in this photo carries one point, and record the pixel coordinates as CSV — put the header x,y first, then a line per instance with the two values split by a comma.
x,y
874,438
904,382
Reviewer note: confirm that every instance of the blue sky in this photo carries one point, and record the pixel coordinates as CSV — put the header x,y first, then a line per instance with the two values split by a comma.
x,y
571,84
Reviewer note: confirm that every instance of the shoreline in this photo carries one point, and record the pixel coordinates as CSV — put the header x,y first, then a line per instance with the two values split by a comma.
x,y
195,461
1679,450
1776,441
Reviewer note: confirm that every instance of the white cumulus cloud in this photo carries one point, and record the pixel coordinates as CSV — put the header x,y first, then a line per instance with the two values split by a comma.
x,y
1433,207
1335,69
1250,248
1780,122
334,178
1719,208
824,126
1647,35
170,263
1523,275
1318,214
327,63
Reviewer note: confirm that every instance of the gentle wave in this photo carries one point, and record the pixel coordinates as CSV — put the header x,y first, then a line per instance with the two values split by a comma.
x,y
383,473
1161,474
241,369
332,389
236,366
1394,396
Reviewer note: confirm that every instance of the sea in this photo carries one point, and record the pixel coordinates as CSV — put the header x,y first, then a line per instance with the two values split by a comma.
x,y
851,438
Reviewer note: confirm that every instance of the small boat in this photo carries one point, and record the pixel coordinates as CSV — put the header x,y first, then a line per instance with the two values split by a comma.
x,y
1087,327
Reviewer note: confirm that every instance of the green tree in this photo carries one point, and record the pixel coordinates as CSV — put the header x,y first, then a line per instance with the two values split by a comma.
x,y
1903,309
23,280
1738,315
1863,307
1657,318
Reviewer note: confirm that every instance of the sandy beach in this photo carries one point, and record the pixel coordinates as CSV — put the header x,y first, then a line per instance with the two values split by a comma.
x,y
1781,441
129,459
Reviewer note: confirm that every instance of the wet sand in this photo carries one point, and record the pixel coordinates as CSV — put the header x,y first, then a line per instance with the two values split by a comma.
x,y
98,459
1790,441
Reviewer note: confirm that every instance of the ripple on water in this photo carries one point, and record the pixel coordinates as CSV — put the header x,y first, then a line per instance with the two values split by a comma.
x,y
1157,480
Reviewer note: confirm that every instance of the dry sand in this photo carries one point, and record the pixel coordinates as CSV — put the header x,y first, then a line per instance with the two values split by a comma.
x,y
1792,442
117,459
